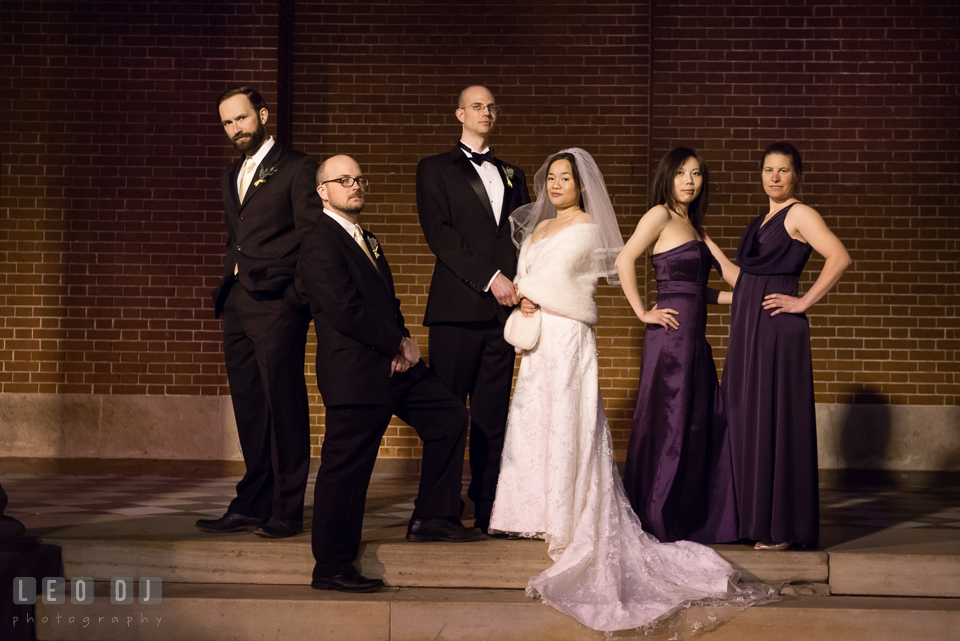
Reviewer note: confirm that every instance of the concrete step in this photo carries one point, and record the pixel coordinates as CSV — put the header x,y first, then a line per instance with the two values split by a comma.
x,y
898,562
175,551
199,612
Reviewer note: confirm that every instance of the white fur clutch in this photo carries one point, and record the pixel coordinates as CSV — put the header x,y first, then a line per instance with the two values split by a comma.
x,y
523,332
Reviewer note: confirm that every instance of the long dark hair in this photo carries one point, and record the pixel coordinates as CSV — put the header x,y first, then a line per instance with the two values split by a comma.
x,y
573,170
662,192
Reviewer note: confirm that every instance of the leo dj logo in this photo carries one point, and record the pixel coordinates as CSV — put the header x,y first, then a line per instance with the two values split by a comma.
x,y
53,590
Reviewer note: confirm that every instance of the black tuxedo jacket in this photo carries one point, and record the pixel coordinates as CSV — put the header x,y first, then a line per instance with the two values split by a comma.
x,y
463,233
265,230
356,315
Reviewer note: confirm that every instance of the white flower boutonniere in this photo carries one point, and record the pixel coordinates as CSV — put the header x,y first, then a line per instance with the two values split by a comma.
x,y
508,172
374,246
265,172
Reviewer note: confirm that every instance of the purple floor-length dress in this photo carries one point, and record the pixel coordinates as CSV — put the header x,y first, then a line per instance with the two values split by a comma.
x,y
768,392
678,473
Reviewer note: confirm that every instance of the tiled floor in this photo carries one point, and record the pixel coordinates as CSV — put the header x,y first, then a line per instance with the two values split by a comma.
x,y
70,500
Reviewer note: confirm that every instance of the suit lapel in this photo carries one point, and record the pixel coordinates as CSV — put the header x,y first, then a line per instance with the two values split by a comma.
x,y
268,161
357,252
463,164
377,255
232,185
507,195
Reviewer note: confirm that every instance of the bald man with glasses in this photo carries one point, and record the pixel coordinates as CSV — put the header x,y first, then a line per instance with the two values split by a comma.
x,y
368,370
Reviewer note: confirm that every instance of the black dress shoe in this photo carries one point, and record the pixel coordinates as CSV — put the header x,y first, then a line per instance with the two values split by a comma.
x,y
279,529
229,522
348,582
441,529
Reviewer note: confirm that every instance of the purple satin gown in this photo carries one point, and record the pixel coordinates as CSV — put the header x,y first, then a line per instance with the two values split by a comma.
x,y
678,473
768,390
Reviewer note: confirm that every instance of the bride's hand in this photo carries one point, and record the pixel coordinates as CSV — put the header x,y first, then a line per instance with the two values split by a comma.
x,y
664,317
528,307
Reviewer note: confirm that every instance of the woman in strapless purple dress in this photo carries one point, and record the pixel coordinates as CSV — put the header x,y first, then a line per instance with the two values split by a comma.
x,y
678,473
768,374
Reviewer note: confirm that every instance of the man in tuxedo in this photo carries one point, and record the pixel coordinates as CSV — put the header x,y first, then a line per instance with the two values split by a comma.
x,y
369,369
464,199
269,204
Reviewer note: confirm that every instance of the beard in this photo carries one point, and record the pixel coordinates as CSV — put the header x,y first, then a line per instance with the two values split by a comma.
x,y
251,144
352,206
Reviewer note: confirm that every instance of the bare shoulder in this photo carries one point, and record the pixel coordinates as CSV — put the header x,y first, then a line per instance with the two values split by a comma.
x,y
658,214
800,213
656,218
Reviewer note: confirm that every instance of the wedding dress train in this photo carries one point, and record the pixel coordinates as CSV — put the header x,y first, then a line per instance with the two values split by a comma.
x,y
559,480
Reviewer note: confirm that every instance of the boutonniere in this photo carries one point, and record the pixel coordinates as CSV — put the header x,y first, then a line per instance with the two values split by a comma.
x,y
374,246
508,172
265,172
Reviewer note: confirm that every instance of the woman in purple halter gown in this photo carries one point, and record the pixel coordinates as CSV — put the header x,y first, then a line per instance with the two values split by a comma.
x,y
768,374
678,473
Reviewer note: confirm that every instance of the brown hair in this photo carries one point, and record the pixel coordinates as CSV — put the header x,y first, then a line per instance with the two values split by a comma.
x,y
784,149
252,95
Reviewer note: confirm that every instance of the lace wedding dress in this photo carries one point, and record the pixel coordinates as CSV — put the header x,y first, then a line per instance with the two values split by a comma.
x,y
559,482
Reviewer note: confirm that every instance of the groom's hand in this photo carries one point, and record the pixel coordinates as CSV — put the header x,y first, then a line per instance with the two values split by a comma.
x,y
504,290
410,351
398,364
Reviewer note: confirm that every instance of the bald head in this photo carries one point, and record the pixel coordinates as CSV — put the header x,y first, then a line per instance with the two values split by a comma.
x,y
331,167
469,95
346,201
477,112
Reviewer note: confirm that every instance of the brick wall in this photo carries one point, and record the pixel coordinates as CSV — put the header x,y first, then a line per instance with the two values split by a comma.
x,y
868,91
379,81
111,220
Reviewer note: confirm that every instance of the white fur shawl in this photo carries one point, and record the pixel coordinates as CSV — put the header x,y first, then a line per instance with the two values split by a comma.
x,y
563,277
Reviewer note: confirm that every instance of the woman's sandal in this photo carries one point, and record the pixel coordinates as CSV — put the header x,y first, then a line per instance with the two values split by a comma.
x,y
761,545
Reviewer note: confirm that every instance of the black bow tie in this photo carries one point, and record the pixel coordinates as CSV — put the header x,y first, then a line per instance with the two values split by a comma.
x,y
479,159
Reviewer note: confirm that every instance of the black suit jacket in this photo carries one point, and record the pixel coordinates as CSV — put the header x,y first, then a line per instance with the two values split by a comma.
x,y
265,230
356,315
463,233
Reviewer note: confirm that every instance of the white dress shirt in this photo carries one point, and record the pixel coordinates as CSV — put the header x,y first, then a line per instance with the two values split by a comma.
x,y
493,183
257,158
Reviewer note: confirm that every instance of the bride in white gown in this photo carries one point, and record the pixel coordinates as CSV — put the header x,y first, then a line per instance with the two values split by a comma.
x,y
558,480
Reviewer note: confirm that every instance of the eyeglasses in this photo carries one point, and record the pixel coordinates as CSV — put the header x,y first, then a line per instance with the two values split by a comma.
x,y
348,181
478,107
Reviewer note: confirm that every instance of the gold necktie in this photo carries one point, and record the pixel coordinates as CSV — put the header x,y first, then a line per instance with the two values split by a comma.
x,y
248,168
358,236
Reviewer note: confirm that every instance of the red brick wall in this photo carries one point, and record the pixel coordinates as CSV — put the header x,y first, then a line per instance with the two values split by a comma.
x,y
380,80
868,91
111,223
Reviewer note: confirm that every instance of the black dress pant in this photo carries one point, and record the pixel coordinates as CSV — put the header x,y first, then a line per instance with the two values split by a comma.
x,y
264,339
474,359
350,445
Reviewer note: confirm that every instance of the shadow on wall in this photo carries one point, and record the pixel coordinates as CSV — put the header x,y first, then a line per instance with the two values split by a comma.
x,y
865,440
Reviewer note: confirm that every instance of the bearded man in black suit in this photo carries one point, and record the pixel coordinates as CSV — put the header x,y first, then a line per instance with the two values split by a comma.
x,y
369,369
269,204
464,200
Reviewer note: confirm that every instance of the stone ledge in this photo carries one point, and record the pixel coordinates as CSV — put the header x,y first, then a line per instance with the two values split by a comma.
x,y
243,612
173,549
898,562
863,437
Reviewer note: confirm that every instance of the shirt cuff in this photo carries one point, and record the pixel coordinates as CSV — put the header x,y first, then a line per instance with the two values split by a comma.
x,y
490,284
